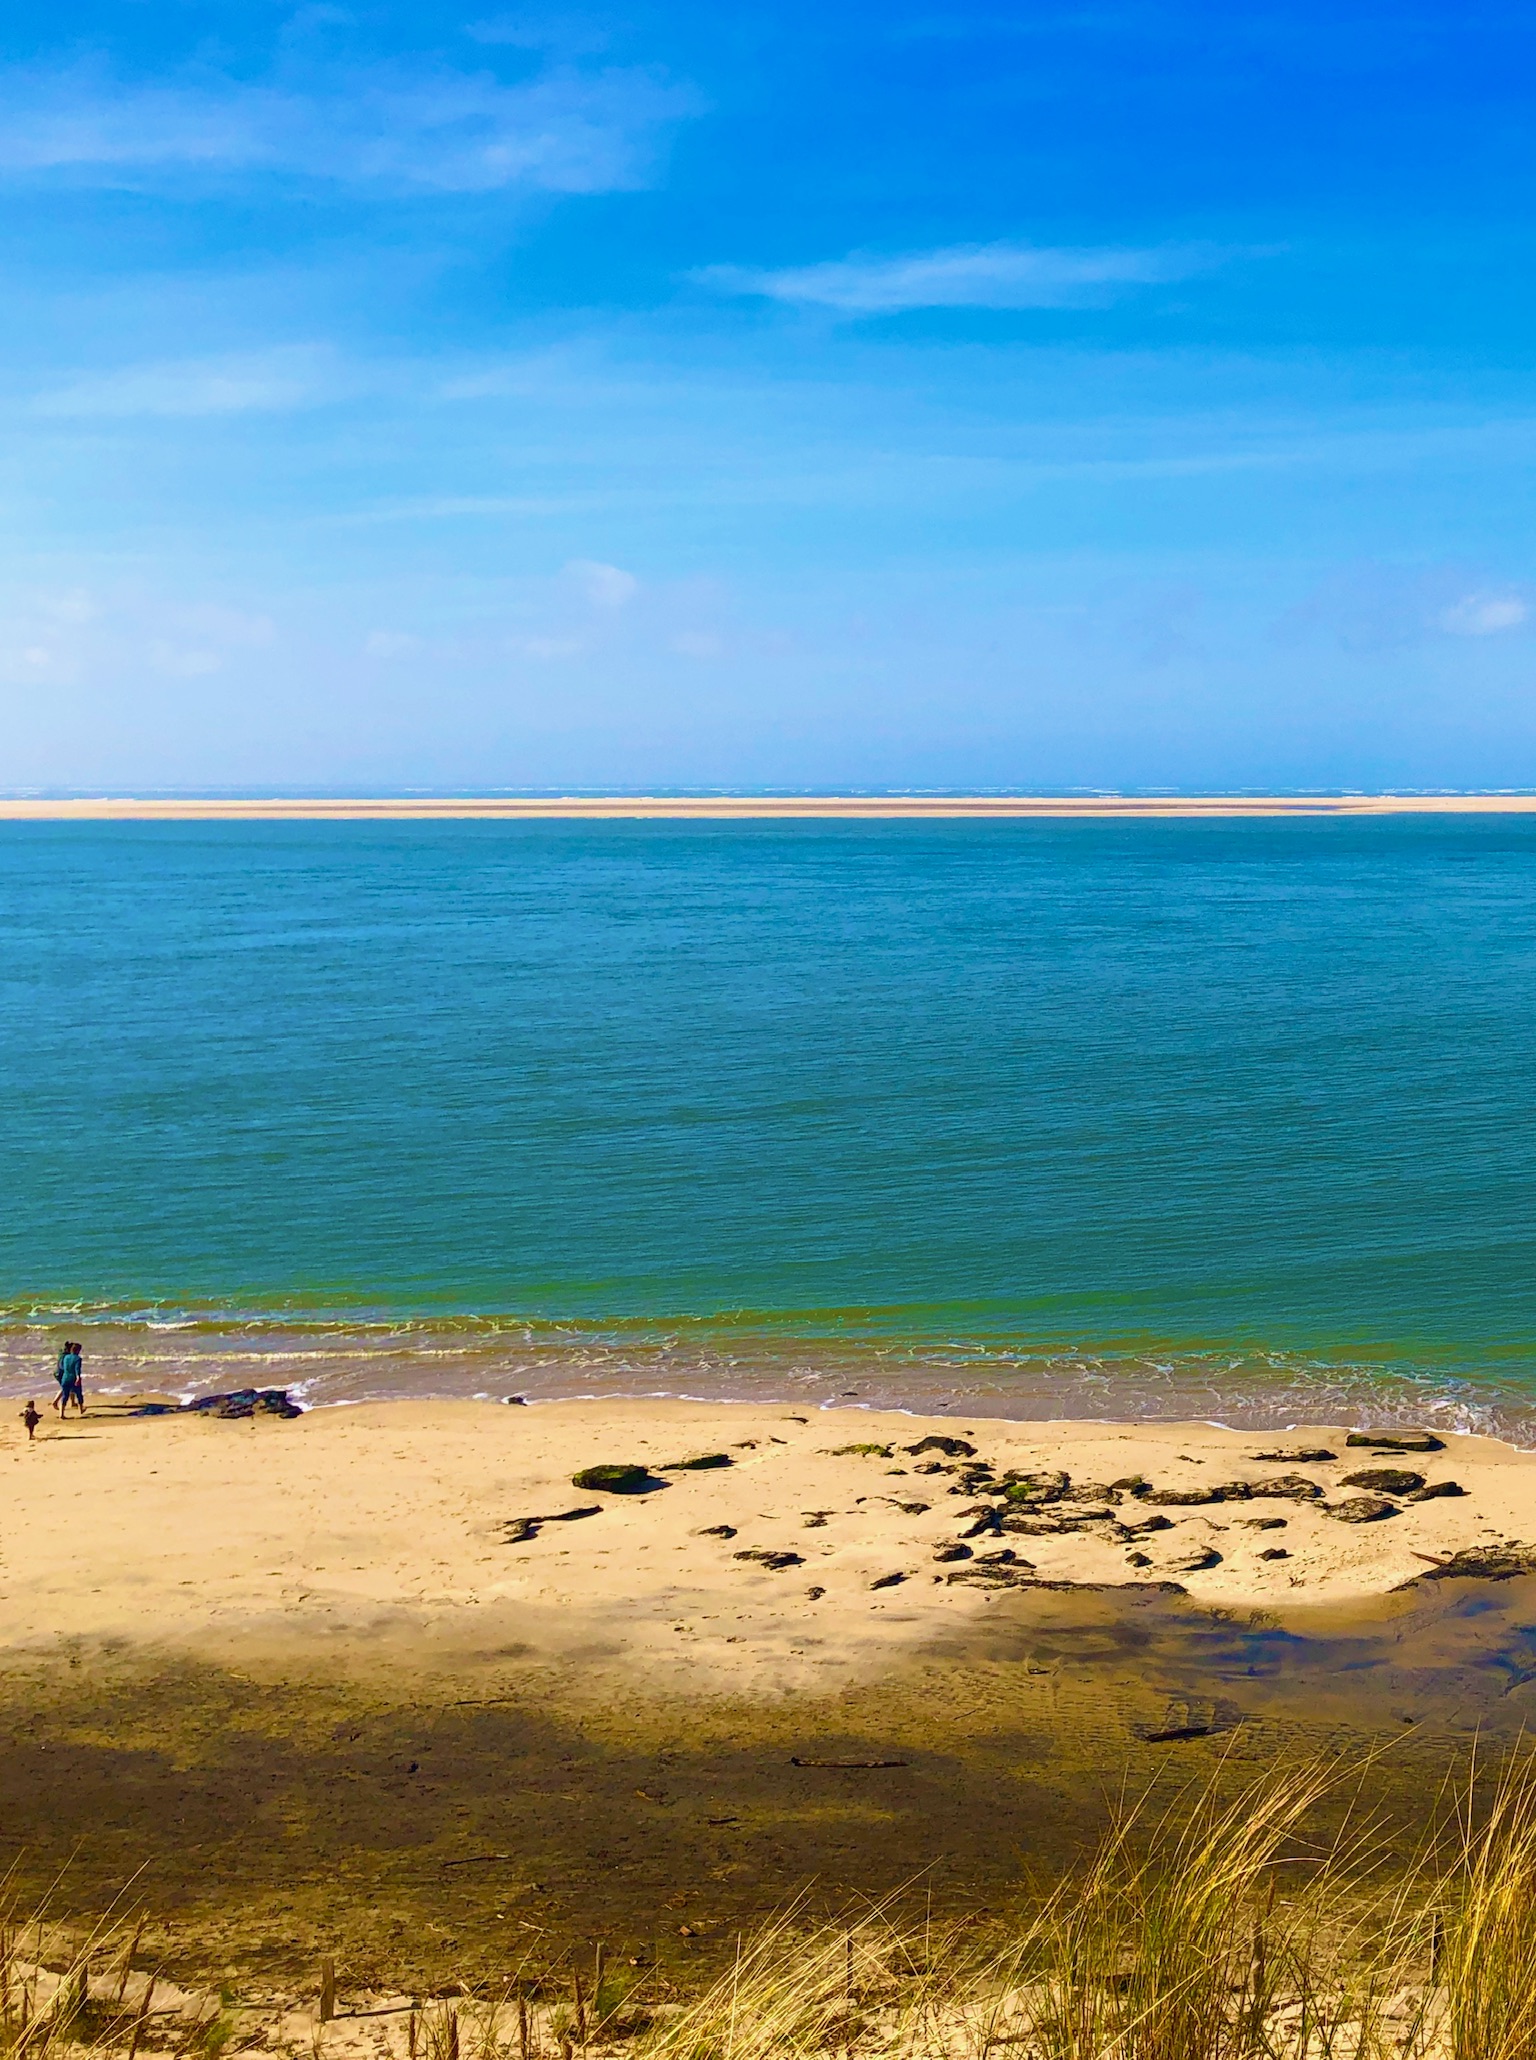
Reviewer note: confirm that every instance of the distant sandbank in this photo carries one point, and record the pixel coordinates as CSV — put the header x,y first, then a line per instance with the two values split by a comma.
x,y
753,807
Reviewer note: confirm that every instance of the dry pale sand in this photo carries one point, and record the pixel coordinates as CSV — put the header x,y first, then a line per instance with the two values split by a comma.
x,y
352,1534
745,807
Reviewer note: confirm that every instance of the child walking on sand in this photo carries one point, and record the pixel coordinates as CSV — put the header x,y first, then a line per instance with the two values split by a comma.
x,y
31,1416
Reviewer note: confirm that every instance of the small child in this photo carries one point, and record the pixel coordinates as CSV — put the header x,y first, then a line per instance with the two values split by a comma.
x,y
31,1418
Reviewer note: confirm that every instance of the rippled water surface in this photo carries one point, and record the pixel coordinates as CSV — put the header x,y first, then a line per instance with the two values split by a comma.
x,y
1223,1118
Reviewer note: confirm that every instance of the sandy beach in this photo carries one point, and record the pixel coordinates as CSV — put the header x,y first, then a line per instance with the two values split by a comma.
x,y
816,1546
363,1681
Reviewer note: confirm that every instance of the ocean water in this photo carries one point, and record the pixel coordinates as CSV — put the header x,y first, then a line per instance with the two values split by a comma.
x,y
1230,1119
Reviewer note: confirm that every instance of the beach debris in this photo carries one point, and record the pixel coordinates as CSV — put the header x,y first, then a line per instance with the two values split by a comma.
x,y
1396,1441
1274,1552
1385,1480
932,1466
1304,1455
860,1452
1477,1563
1192,1498
906,1508
615,1480
1293,1487
1361,1509
717,1531
945,1553
814,1594
765,1556
815,1519
702,1462
842,1766
952,1448
887,1580
1436,1490
522,1528
1183,1720
515,1401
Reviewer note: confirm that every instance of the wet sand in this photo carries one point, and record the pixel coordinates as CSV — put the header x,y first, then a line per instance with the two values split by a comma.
x,y
299,1674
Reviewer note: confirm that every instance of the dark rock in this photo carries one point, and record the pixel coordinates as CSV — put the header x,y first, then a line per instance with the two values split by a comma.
x,y
1200,1557
1291,1487
814,1594
943,1553
516,1401
952,1448
887,1580
1361,1509
1305,1455
717,1531
1396,1441
931,1466
1095,1491
1385,1480
1138,1559
614,1480
1004,1556
1436,1490
1146,1527
702,1463
1131,1483
1262,1523
1275,1552
775,1562
987,1524
909,1508
1180,1498
241,1403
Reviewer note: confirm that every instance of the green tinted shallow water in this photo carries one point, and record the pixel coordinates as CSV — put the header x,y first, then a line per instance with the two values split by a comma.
x,y
1057,1117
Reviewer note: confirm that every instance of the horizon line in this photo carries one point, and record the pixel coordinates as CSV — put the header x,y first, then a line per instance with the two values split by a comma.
x,y
743,807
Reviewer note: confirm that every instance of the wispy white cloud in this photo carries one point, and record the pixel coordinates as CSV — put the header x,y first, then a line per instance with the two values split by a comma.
x,y
395,129
1485,614
602,586
967,275
235,384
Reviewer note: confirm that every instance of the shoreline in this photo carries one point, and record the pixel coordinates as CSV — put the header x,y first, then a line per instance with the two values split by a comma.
x,y
755,808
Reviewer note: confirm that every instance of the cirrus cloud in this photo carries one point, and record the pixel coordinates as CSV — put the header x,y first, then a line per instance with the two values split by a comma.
x,y
965,275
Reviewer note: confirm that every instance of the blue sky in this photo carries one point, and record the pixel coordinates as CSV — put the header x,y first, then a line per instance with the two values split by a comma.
x,y
1099,395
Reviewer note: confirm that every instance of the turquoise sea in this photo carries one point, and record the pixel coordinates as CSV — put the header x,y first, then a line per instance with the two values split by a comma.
x,y
1234,1119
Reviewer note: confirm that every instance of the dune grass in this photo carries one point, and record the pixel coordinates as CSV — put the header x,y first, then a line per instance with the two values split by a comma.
x,y
1222,1927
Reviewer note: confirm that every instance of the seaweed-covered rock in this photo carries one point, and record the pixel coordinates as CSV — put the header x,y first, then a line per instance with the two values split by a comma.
x,y
1481,1563
1436,1490
702,1462
241,1403
613,1480
1290,1487
1360,1509
1045,1486
860,1452
1385,1480
952,1448
1396,1441
1304,1455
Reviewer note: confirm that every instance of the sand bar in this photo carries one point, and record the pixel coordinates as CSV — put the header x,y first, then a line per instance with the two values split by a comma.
x,y
372,1530
751,807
